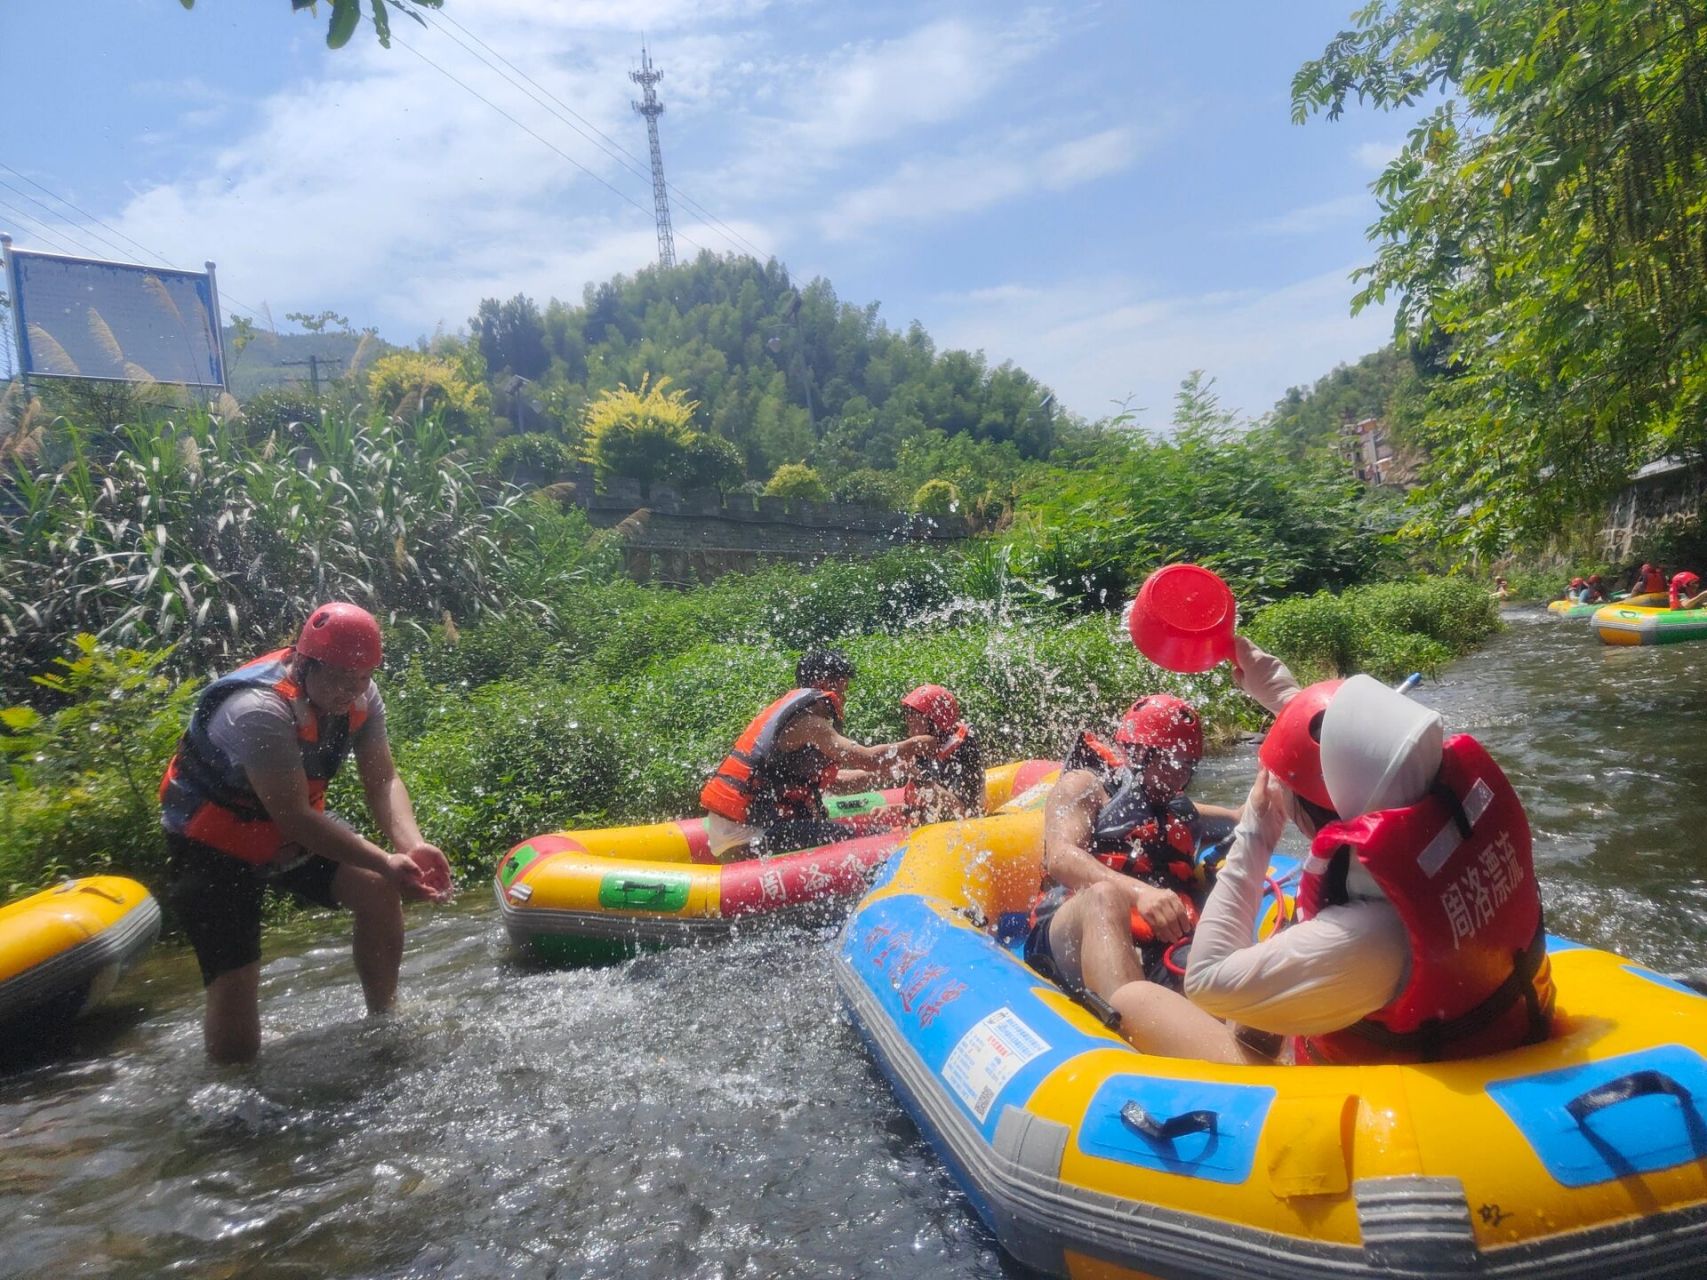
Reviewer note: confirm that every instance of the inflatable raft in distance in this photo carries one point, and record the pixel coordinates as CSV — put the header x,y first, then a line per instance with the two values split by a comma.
x,y
63,949
1566,609
590,897
1626,624
1579,1158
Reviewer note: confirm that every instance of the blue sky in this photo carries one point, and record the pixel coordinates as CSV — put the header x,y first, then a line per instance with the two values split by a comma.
x,y
1108,194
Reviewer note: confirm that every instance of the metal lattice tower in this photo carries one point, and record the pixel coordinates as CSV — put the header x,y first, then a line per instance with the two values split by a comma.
x,y
651,108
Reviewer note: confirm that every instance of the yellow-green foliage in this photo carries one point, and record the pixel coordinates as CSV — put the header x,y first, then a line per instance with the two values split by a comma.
x,y
798,481
639,432
407,384
937,498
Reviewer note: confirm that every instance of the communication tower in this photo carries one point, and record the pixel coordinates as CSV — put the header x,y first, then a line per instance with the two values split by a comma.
x,y
651,108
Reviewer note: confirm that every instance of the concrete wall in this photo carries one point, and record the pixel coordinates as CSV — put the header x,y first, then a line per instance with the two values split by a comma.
x,y
681,539
1665,491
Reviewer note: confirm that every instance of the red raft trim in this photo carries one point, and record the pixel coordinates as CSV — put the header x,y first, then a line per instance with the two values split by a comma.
x,y
840,870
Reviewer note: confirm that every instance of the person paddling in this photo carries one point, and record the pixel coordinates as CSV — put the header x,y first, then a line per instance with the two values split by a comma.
x,y
948,779
1686,592
768,794
243,804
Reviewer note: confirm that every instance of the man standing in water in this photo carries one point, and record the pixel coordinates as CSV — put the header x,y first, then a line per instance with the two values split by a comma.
x,y
244,807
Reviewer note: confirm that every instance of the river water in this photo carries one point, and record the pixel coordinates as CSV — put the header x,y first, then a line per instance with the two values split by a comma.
x,y
696,1112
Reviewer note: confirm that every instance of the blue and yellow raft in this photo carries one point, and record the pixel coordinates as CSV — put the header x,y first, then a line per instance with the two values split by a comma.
x,y
1585,1156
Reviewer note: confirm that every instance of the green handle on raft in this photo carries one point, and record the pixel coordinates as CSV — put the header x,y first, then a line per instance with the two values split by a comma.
x,y
851,806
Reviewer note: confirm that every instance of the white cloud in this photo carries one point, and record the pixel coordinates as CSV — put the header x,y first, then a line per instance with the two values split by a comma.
x,y
1103,343
1312,218
1376,156
979,175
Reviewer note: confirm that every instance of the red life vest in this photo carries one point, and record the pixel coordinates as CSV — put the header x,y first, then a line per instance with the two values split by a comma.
x,y
1457,865
757,783
1653,582
205,795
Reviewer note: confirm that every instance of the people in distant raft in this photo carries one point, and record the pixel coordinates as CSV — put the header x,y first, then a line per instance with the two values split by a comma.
x,y
1592,591
243,803
948,779
1502,590
1649,580
768,794
1119,842
1686,592
1573,593
1419,933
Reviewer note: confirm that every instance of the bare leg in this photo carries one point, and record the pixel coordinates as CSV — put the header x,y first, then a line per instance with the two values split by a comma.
x,y
1156,1020
231,1027
378,941
1091,940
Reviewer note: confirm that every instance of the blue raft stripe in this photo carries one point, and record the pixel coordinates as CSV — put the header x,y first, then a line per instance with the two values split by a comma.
x,y
935,981
1660,980
1640,1135
1557,945
1226,1155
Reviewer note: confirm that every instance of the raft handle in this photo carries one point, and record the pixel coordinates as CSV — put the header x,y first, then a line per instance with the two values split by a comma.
x,y
1638,1084
1140,1121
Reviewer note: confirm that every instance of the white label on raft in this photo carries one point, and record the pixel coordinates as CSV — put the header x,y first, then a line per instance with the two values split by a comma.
x,y
988,1056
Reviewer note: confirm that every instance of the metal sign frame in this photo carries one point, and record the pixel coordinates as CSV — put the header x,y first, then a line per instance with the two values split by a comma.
x,y
20,323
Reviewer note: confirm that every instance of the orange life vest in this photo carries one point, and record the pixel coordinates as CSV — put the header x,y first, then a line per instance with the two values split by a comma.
x,y
760,784
205,795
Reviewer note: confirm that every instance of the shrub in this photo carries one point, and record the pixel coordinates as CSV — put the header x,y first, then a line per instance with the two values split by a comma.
x,y
936,498
868,488
532,458
797,482
80,794
640,433
411,384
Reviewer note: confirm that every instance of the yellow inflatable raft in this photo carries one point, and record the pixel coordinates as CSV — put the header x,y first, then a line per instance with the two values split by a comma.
x,y
1585,1156
1628,624
62,950
580,897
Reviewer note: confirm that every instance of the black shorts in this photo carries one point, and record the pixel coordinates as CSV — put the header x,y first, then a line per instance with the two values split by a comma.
x,y
218,899
1041,957
798,833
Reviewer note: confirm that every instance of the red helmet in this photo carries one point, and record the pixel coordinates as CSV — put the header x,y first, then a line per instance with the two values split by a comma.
x,y
1578,582
935,704
1647,568
1164,722
1594,578
1292,751
1683,580
341,635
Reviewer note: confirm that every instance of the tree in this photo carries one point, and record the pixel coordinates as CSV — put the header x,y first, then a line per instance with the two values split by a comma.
x,y
641,433
347,15
1542,231
511,335
798,483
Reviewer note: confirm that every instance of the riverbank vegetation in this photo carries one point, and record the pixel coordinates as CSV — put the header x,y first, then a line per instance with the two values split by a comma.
x,y
145,545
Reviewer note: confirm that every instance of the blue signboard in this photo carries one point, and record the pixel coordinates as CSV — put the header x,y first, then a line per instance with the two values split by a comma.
x,y
115,321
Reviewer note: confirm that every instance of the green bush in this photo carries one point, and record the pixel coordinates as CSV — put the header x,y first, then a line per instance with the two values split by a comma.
x,y
798,483
80,793
936,498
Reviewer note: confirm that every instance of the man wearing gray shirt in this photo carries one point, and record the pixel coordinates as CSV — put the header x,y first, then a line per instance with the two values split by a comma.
x,y
244,808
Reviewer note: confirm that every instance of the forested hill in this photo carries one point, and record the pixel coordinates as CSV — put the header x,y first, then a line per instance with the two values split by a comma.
x,y
788,374
1383,384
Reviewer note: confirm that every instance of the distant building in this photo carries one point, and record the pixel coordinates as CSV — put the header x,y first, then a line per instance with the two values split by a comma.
x,y
1371,455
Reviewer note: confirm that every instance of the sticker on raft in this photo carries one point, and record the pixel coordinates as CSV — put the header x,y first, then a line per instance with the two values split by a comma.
x,y
657,892
988,1056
